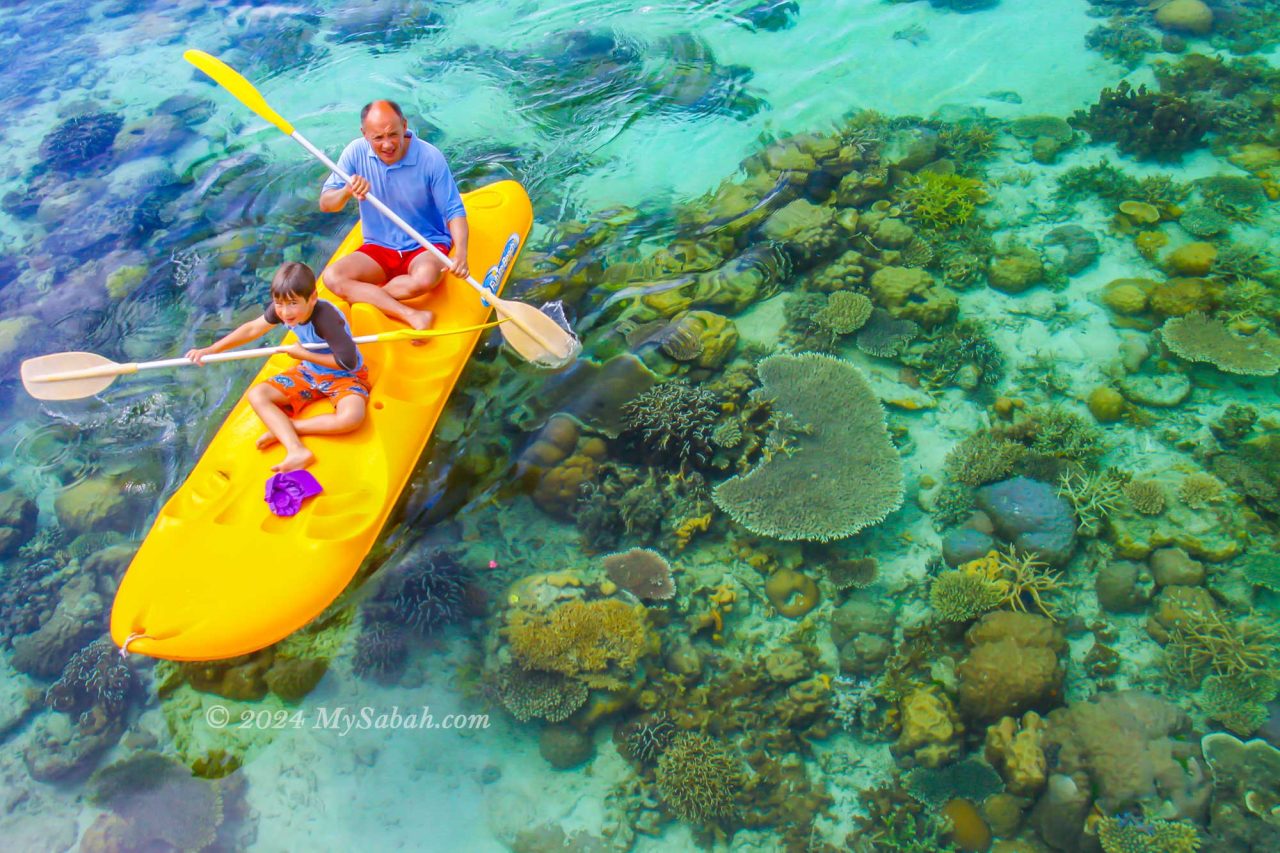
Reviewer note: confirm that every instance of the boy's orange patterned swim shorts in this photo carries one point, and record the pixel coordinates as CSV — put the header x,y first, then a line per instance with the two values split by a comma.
x,y
302,386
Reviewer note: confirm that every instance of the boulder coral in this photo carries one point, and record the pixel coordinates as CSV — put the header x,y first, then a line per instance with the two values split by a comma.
x,y
908,293
1013,666
931,730
1129,749
844,474
1016,749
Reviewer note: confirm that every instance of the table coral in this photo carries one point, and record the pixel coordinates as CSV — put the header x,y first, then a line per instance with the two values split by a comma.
x,y
1197,337
844,475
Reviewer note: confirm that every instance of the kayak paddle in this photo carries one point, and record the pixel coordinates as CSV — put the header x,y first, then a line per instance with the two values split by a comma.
x,y
73,375
534,335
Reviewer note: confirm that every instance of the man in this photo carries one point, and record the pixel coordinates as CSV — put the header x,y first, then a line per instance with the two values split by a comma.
x,y
410,177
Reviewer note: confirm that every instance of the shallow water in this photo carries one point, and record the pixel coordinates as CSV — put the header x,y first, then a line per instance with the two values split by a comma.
x,y
143,211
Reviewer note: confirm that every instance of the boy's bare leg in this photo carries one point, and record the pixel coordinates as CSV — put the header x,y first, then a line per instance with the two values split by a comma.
x,y
267,401
350,278
349,415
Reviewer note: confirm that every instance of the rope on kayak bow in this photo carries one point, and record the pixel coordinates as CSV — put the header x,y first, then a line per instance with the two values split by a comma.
x,y
136,635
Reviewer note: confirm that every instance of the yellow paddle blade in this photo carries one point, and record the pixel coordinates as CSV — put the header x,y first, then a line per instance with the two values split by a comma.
x,y
70,375
535,336
228,78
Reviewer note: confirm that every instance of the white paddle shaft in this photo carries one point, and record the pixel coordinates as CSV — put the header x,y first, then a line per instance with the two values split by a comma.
x,y
114,369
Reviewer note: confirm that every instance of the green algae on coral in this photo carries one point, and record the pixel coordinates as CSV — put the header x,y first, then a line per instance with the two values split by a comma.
x,y
844,474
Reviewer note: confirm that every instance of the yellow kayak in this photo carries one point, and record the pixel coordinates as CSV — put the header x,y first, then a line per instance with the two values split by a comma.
x,y
218,574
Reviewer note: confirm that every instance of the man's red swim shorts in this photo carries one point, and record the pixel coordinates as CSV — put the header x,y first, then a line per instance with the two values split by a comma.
x,y
395,263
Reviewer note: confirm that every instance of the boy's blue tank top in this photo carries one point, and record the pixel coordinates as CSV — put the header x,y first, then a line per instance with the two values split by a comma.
x,y
307,334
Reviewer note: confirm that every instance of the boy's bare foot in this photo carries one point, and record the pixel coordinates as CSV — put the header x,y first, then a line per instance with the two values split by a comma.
x,y
295,460
265,440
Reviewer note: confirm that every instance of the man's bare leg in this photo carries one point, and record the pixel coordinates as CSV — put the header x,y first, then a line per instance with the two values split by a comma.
x,y
357,278
349,414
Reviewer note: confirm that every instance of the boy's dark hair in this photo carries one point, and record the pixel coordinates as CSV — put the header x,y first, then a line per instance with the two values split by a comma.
x,y
293,279
365,110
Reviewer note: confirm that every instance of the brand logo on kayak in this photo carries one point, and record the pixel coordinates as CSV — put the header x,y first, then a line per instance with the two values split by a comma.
x,y
493,278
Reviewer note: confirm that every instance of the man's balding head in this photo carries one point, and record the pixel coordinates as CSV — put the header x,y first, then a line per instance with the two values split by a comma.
x,y
381,110
382,124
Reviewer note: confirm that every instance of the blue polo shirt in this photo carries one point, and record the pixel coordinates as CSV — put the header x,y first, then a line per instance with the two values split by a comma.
x,y
419,188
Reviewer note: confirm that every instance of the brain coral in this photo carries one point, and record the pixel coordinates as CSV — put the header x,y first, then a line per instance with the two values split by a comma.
x,y
844,474
1196,337
697,778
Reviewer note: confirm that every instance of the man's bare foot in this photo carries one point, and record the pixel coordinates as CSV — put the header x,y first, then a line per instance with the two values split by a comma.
x,y
265,440
295,460
419,320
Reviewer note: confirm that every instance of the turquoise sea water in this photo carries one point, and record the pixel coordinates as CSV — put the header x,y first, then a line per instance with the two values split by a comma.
x,y
952,423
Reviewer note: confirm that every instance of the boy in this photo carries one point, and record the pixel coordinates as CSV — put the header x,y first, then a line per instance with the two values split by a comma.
x,y
336,371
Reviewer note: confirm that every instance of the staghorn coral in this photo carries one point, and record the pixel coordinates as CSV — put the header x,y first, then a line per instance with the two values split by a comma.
x,y
844,474
1204,642
673,419
1022,581
644,573
579,636
698,778
941,201
958,596
1093,496
1197,337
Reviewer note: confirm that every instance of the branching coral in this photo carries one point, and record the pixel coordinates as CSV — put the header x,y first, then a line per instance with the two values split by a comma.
x,y
1023,582
959,595
1199,490
579,636
1126,833
674,419
1057,432
1093,496
1204,642
423,592
95,677
942,201
698,778
1148,125
962,354
1145,496
1238,703
845,312
531,694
